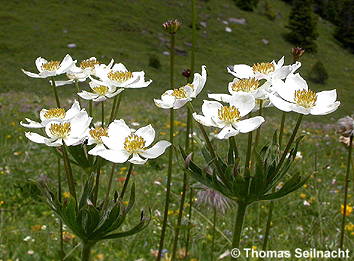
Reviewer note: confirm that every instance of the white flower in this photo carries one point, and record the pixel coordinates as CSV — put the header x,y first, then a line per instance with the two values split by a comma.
x,y
101,92
229,117
54,114
118,76
177,98
122,142
268,71
71,132
51,68
294,95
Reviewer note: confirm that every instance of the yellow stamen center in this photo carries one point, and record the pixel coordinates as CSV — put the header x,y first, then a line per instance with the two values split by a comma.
x,y
264,68
88,64
179,93
55,113
190,85
245,85
97,133
51,66
134,143
120,76
60,130
100,90
306,99
229,114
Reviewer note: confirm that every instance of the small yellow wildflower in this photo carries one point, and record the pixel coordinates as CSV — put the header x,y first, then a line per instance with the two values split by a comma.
x,y
66,194
349,227
36,228
303,195
349,210
2,202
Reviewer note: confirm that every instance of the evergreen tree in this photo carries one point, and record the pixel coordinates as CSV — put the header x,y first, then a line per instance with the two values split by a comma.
x,y
318,73
246,5
302,25
345,29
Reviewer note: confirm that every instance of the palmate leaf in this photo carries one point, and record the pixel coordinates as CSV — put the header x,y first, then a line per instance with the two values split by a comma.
x,y
82,159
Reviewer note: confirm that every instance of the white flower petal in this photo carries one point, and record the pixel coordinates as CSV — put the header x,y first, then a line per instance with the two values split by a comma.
x,y
33,75
62,83
88,95
220,97
326,98
324,110
248,125
179,103
280,103
116,156
117,132
119,67
137,160
206,121
75,109
241,71
300,109
65,64
139,81
156,150
39,62
226,133
31,124
211,108
244,102
35,137
162,104
147,133
79,125
97,149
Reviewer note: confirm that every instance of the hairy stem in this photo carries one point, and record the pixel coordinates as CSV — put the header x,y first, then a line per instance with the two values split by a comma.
x,y
236,237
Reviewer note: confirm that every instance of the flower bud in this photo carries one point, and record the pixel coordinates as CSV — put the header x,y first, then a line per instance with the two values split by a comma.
x,y
297,52
345,126
172,26
186,73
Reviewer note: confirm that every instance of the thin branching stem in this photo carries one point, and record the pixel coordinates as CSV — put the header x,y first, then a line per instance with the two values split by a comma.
x,y
69,172
106,200
55,92
126,181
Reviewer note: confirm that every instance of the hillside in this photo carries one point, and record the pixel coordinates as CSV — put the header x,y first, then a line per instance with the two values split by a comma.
x,y
130,32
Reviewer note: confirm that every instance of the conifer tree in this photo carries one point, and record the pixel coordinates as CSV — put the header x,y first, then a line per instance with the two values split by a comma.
x,y
247,5
345,29
302,25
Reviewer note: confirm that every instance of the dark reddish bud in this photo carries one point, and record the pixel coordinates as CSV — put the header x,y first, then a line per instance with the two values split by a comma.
x,y
186,73
297,52
171,26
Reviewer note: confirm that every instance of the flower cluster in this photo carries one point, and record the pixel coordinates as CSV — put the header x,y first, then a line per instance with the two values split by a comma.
x,y
73,127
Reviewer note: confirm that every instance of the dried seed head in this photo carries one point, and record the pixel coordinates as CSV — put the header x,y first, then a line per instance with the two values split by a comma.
x,y
171,26
297,52
213,198
345,126
186,73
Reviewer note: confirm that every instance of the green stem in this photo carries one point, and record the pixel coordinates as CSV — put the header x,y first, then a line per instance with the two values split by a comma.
x,y
69,172
130,170
62,253
213,233
269,221
86,251
180,214
117,106
113,108
170,156
106,200
102,115
281,131
248,155
236,237
90,108
258,132
341,242
97,181
78,90
55,93
189,220
184,188
194,29
168,187
290,142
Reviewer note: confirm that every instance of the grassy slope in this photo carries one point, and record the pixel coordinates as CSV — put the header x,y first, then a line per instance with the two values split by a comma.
x,y
35,28
128,31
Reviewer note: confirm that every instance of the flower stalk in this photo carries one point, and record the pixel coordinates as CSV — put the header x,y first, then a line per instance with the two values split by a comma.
x,y
78,90
69,172
62,253
281,131
105,204
170,155
86,251
236,236
345,203
125,186
55,92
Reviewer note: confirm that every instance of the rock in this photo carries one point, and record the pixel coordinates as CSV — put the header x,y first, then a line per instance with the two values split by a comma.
x,y
228,29
265,41
166,53
180,51
225,22
188,44
71,45
204,24
237,20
